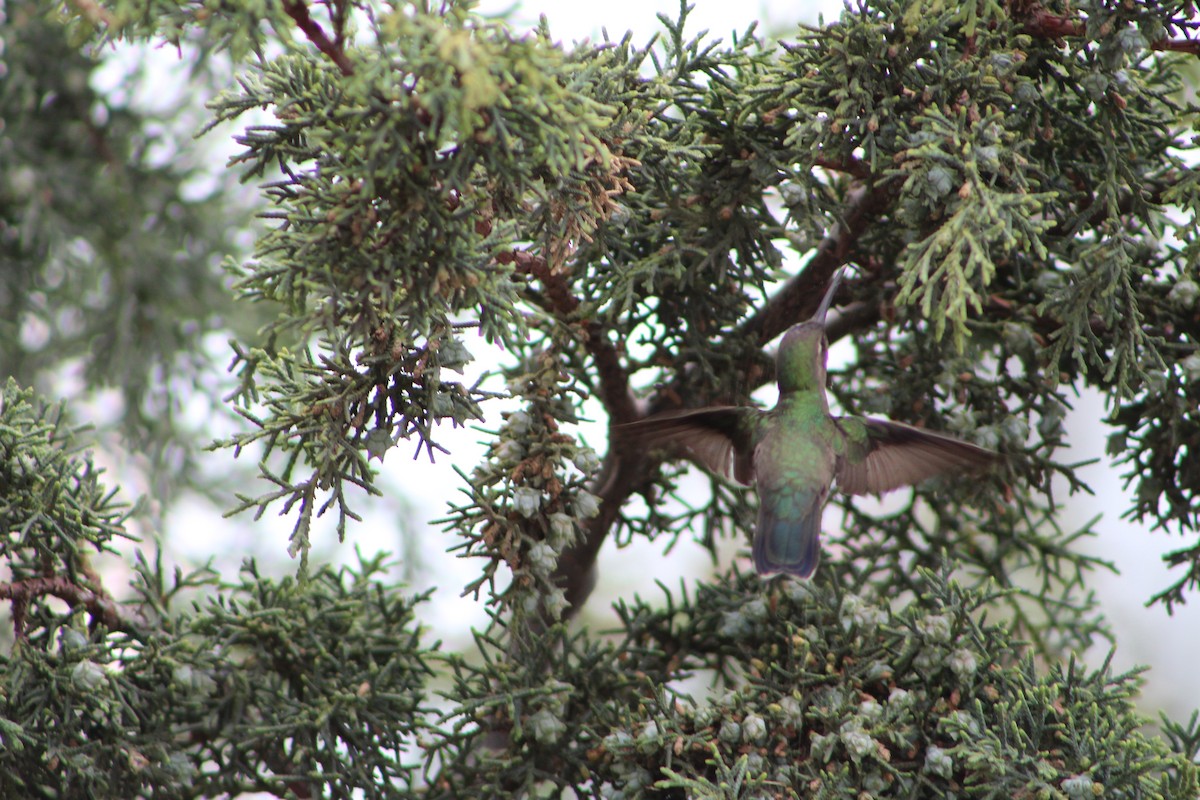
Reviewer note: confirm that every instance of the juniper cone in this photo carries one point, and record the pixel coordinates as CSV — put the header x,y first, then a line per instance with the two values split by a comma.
x,y
796,450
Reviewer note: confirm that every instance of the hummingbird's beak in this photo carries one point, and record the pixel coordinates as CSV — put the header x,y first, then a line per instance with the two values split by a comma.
x,y
823,309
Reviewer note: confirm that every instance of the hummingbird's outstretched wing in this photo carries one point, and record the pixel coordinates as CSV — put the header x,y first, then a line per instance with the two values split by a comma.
x,y
881,455
717,437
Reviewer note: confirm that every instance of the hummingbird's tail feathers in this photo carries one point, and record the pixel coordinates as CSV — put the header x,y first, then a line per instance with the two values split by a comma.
x,y
787,545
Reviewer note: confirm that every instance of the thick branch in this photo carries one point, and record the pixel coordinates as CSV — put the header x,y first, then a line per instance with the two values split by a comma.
x,y
1046,25
99,605
1191,46
855,168
614,383
799,297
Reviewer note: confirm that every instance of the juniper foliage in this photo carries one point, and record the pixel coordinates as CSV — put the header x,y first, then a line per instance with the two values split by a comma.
x,y
632,225
110,251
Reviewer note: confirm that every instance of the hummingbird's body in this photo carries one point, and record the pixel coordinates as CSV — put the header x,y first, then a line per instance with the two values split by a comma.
x,y
796,451
793,482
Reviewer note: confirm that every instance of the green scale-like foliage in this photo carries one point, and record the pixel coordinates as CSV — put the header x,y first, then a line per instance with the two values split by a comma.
x,y
148,698
819,693
112,238
632,226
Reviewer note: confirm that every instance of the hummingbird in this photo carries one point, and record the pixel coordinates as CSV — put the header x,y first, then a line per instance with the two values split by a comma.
x,y
797,450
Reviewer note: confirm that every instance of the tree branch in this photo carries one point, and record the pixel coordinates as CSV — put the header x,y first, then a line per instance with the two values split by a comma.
x,y
799,297
614,383
617,480
1044,24
1190,46
102,607
298,11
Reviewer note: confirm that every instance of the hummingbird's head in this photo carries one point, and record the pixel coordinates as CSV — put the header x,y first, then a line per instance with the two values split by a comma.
x,y
800,362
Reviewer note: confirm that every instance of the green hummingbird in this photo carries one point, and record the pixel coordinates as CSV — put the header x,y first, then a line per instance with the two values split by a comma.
x,y
795,451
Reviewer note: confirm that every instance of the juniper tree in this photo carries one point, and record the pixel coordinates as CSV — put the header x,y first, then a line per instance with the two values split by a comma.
x,y
633,224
